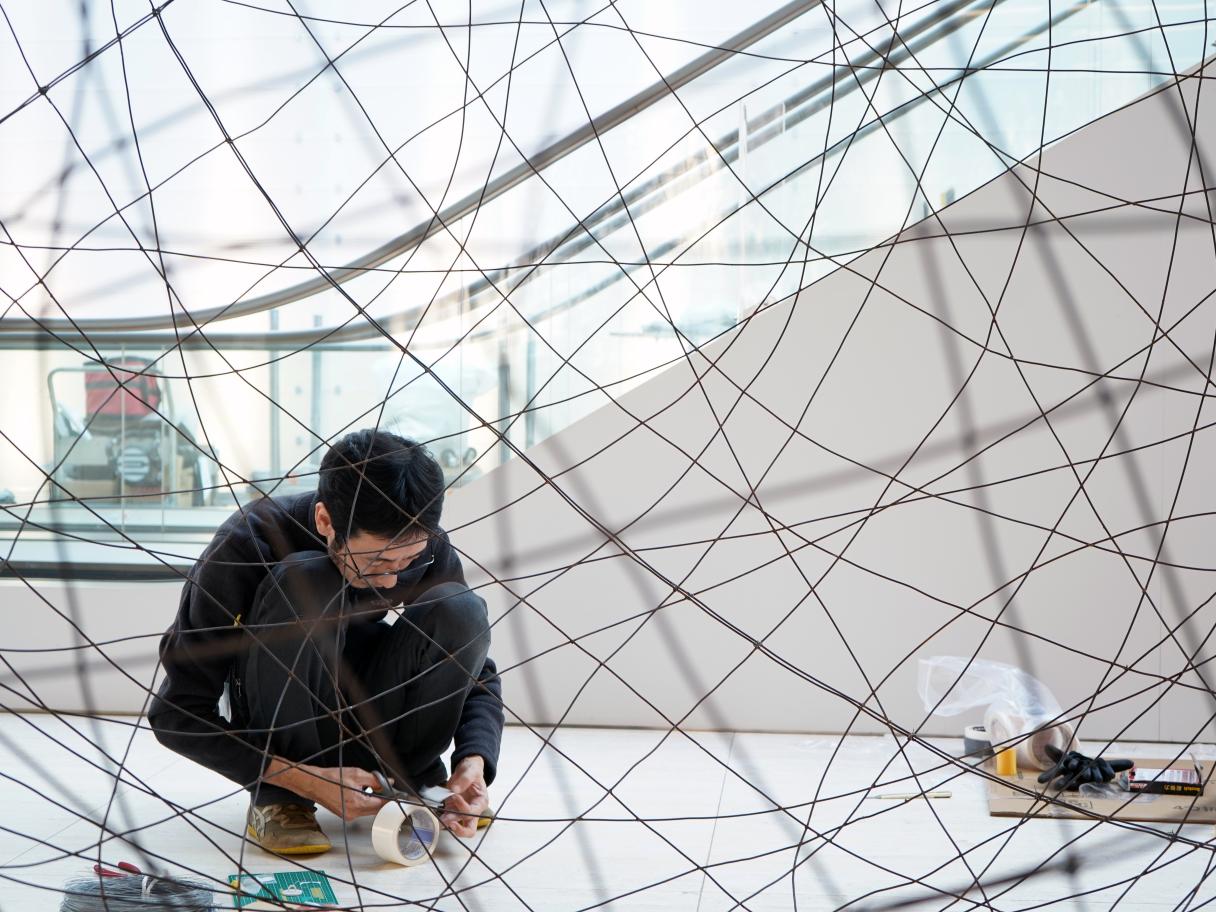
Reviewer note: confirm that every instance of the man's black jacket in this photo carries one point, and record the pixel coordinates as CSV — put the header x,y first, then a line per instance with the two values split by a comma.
x,y
197,652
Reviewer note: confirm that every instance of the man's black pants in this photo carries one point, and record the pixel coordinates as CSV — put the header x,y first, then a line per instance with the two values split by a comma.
x,y
330,688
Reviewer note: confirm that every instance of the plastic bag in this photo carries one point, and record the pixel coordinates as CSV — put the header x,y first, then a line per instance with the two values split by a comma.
x,y
1018,709
1111,791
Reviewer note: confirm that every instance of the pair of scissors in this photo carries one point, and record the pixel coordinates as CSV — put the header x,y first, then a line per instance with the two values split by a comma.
x,y
125,869
432,797
147,885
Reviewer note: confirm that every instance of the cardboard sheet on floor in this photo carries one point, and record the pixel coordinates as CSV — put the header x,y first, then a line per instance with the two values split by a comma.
x,y
1004,801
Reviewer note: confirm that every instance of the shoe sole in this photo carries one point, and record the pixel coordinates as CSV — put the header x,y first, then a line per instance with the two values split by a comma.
x,y
290,850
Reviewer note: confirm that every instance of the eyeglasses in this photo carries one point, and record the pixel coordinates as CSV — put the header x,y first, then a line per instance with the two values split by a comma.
x,y
372,570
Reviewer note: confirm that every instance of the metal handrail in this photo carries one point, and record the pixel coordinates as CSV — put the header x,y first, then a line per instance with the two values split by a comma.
x,y
760,130
470,203
766,126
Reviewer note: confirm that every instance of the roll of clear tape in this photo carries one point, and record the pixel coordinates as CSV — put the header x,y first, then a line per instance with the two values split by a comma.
x,y
404,833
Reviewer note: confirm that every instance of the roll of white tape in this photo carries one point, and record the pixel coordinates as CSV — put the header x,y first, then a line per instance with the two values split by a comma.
x,y
405,833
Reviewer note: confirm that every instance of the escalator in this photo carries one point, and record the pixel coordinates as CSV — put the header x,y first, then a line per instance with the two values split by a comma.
x,y
762,165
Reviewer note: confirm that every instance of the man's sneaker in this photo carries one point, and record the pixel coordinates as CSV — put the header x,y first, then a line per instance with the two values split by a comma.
x,y
289,829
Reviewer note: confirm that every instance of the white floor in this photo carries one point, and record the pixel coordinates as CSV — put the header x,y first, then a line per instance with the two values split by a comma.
x,y
689,823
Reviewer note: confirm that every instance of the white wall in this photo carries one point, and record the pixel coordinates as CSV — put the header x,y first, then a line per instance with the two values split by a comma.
x,y
845,614
125,619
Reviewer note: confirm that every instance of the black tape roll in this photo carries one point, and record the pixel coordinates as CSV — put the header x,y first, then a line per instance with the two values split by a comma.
x,y
977,742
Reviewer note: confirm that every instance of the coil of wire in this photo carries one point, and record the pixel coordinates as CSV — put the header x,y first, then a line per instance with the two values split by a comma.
x,y
135,893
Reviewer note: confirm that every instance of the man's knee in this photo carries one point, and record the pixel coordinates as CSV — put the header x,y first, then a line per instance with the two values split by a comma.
x,y
313,566
455,618
298,586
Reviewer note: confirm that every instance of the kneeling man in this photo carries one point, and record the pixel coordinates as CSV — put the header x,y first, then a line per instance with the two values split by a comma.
x,y
339,626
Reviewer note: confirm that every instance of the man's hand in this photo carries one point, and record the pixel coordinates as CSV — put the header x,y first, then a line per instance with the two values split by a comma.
x,y
338,789
469,798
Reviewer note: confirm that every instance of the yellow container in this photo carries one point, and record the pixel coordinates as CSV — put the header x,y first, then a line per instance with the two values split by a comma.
x,y
1007,762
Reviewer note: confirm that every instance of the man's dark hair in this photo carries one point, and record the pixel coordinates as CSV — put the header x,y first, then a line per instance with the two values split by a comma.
x,y
376,482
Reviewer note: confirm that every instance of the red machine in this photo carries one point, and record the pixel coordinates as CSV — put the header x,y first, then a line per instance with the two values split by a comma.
x,y
129,444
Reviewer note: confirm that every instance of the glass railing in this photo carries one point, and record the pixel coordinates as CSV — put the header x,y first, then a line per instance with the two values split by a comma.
x,y
577,281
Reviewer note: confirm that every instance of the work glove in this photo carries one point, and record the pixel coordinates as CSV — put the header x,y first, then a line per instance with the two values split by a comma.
x,y
1073,769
